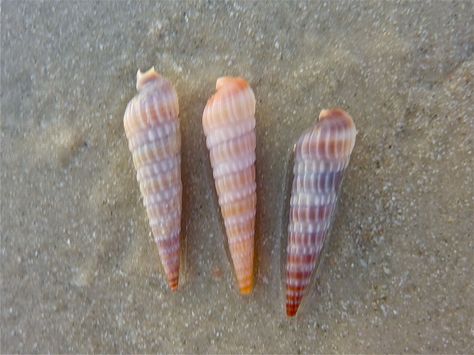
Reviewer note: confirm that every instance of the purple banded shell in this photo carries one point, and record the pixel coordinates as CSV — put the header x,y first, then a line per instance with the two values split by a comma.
x,y
152,128
320,158
229,125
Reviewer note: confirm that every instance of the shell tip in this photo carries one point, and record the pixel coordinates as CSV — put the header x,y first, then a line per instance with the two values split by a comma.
x,y
332,112
225,80
324,114
222,81
291,310
336,113
327,113
173,284
145,77
247,290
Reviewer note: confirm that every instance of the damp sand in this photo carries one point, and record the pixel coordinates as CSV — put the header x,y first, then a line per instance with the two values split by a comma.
x,y
79,270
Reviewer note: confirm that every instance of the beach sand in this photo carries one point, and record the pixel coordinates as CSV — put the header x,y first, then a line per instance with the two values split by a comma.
x,y
79,269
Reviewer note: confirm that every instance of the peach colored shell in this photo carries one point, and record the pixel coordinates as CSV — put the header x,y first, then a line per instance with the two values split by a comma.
x,y
320,159
229,125
152,129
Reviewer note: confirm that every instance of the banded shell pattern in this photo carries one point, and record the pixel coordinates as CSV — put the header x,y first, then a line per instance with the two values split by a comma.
x,y
320,158
152,129
229,125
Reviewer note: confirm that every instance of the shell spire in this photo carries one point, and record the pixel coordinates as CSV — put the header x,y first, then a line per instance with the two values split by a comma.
x,y
229,125
149,76
320,158
152,129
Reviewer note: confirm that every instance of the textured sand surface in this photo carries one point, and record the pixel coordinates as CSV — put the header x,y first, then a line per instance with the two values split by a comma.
x,y
79,270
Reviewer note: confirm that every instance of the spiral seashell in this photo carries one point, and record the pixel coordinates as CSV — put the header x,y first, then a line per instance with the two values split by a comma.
x,y
152,128
320,158
229,125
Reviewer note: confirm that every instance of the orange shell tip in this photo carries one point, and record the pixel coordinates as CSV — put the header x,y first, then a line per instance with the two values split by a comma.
x,y
246,290
173,284
335,112
291,310
226,80
143,78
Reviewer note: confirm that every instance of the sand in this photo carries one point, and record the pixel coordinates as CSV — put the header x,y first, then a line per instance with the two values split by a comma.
x,y
79,269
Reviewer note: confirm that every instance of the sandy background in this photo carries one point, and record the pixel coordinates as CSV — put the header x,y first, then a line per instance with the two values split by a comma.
x,y
79,270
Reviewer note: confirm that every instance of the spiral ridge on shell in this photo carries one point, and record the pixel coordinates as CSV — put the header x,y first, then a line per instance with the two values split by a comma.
x,y
152,129
320,158
229,125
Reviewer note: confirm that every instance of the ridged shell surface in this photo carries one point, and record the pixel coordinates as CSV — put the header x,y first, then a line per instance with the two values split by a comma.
x,y
152,128
321,155
229,125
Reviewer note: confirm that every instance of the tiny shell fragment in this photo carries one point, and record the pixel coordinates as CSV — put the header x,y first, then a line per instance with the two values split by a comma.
x,y
320,158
